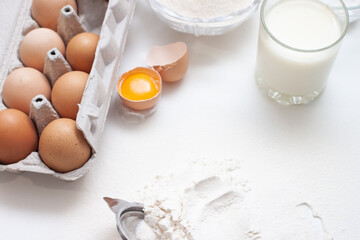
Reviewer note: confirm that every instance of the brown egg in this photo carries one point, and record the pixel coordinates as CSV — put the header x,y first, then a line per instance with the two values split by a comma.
x,y
67,93
22,85
80,51
36,44
18,137
62,147
140,88
171,61
46,12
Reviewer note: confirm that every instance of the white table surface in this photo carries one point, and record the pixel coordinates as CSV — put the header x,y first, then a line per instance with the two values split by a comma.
x,y
299,154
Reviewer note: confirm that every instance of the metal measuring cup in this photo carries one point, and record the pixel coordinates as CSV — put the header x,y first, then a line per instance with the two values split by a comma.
x,y
124,211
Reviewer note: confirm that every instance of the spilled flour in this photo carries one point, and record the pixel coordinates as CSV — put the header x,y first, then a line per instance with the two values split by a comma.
x,y
199,212
210,201
203,203
315,228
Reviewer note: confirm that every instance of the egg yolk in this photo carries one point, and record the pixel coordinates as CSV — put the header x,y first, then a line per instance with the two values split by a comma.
x,y
139,86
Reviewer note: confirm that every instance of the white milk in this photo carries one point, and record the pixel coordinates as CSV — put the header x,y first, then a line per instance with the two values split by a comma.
x,y
300,24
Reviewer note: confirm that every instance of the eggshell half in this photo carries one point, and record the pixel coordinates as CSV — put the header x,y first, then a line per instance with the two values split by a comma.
x,y
171,61
141,104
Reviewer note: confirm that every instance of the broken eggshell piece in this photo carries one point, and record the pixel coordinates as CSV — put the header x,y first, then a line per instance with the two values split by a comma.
x,y
140,88
171,61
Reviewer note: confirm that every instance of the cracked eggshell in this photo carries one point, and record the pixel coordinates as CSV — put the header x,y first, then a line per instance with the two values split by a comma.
x,y
146,103
171,61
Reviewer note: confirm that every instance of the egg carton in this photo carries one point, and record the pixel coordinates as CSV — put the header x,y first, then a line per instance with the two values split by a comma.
x,y
111,20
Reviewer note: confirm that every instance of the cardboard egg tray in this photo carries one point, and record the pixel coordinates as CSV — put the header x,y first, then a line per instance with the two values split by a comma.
x,y
111,20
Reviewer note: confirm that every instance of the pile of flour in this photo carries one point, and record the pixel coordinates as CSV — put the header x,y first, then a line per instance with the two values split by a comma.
x,y
205,202
205,9
208,200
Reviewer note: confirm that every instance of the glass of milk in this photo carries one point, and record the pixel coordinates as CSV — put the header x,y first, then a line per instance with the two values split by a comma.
x,y
298,43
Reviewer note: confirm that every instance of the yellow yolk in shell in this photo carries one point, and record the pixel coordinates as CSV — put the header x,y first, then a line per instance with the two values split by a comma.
x,y
139,86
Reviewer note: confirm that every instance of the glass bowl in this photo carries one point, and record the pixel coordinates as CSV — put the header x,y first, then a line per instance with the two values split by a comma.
x,y
353,7
207,27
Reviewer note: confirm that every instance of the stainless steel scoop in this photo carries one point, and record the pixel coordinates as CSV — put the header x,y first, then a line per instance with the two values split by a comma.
x,y
124,210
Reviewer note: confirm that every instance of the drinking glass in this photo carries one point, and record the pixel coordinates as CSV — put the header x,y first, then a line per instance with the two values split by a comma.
x,y
295,55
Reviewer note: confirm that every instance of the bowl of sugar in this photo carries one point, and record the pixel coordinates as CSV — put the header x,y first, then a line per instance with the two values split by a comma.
x,y
204,17
353,7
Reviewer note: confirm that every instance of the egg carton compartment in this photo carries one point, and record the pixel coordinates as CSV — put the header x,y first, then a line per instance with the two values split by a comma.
x,y
111,20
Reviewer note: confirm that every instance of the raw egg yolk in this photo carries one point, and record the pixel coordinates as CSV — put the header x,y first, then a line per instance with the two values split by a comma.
x,y
139,86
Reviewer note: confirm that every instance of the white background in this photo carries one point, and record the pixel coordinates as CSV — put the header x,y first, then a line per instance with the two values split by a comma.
x,y
289,155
